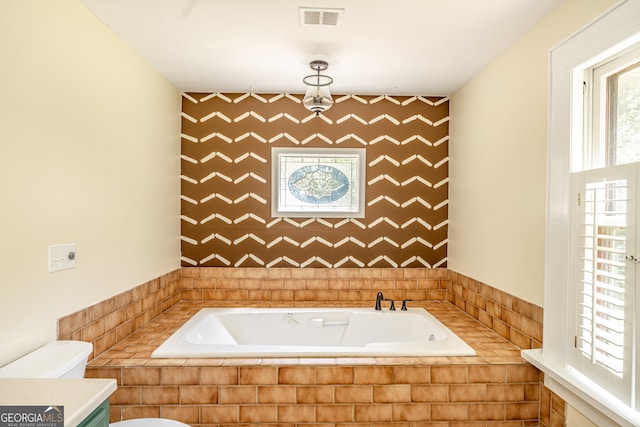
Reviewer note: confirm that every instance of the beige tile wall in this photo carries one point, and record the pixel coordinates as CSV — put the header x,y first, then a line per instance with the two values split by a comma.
x,y
517,320
450,395
108,322
312,286
283,394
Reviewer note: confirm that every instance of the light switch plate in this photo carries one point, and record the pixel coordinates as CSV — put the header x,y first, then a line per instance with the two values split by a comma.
x,y
62,257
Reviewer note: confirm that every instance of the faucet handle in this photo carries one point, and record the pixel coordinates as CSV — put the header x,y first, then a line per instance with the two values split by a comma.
x,y
392,307
404,304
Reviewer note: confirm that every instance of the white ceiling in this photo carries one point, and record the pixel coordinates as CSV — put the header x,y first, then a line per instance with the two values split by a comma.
x,y
403,47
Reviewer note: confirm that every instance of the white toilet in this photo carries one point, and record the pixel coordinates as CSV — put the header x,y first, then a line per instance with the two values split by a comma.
x,y
68,359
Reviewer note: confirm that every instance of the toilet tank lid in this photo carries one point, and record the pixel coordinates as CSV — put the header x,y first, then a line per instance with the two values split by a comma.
x,y
49,361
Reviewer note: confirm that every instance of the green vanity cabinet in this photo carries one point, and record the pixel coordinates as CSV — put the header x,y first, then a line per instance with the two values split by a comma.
x,y
98,418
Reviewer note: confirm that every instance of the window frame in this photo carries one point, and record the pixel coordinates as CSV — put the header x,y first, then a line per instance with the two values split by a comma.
x,y
597,94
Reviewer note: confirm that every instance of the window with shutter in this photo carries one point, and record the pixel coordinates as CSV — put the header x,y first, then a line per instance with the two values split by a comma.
x,y
591,348
603,276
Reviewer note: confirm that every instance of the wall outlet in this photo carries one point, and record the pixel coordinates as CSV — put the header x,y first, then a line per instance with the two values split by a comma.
x,y
62,257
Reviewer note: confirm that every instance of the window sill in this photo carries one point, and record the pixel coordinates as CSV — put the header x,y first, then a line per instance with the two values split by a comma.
x,y
578,391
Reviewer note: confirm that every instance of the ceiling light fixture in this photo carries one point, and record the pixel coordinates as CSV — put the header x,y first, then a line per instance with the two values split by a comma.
x,y
318,98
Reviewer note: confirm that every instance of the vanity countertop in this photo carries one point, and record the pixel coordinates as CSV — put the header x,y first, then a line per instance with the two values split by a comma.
x,y
78,396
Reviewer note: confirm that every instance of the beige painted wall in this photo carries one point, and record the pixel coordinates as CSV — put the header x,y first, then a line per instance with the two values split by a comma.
x,y
498,152
89,153
576,419
498,159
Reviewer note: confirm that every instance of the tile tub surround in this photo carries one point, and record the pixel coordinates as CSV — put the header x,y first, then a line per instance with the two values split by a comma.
x,y
108,322
126,313
312,286
494,388
517,320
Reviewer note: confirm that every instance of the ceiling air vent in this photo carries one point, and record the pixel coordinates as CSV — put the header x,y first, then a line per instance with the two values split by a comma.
x,y
319,17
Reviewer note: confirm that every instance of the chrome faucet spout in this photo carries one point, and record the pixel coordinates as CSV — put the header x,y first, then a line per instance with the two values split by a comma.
x,y
379,299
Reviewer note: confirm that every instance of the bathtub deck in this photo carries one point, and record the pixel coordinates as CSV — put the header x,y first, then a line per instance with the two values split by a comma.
x,y
136,349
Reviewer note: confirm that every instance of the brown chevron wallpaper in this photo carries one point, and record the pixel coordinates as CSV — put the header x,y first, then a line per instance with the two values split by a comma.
x,y
226,181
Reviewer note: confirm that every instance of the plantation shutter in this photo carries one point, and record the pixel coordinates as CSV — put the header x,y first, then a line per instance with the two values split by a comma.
x,y
604,265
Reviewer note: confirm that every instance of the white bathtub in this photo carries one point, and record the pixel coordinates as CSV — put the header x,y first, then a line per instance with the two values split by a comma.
x,y
301,332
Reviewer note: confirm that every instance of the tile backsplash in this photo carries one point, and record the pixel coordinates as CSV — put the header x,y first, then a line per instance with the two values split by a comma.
x,y
106,323
513,318
109,321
